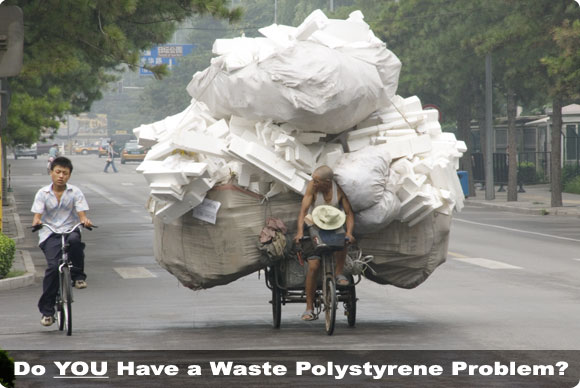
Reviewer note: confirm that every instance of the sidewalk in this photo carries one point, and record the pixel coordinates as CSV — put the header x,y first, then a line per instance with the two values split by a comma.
x,y
536,200
13,228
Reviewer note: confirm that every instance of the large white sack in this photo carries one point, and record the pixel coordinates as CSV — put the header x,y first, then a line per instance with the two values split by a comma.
x,y
362,175
405,257
308,85
378,216
202,255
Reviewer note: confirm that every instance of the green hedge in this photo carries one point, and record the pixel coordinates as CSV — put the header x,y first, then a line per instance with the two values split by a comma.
x,y
6,370
527,173
7,248
573,186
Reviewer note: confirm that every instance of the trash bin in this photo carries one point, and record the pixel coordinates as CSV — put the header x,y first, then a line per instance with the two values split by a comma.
x,y
464,180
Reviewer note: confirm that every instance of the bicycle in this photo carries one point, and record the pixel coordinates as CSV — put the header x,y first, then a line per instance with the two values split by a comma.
x,y
64,295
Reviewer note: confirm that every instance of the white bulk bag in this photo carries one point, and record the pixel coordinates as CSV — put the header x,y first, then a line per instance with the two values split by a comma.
x,y
362,175
308,85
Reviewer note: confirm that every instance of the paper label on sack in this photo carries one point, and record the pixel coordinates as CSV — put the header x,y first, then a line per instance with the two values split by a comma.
x,y
207,210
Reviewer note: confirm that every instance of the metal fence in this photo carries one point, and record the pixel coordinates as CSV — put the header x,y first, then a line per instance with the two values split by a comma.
x,y
533,168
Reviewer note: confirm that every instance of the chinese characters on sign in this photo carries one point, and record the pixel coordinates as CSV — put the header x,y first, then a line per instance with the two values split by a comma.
x,y
166,54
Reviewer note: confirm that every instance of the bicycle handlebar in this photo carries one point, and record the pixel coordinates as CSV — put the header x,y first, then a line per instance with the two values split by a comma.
x,y
40,226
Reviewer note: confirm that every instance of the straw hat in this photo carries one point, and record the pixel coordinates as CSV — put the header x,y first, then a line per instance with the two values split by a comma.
x,y
328,217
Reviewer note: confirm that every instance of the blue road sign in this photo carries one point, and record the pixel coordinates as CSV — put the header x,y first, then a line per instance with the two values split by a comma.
x,y
167,54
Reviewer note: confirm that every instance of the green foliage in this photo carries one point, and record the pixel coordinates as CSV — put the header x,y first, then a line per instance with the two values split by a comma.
x,y
7,248
569,173
573,186
71,49
6,370
527,173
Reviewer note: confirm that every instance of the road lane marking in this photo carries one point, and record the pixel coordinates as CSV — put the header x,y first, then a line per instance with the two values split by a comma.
x,y
127,184
134,272
486,263
105,194
517,230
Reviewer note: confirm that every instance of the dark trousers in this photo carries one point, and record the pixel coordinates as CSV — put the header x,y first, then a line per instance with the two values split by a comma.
x,y
112,164
52,248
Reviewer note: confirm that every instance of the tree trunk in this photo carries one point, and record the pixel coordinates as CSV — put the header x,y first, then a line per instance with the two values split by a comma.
x,y
464,132
512,146
556,156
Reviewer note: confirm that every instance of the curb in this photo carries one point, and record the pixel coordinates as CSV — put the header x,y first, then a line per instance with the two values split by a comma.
x,y
23,280
548,211
30,275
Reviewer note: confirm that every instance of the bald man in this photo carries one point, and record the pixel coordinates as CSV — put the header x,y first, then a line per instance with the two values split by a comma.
x,y
323,190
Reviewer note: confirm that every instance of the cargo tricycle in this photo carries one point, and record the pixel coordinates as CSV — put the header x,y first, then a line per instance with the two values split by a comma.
x,y
286,279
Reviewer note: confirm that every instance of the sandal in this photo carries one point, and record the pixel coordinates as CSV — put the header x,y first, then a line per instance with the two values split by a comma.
x,y
308,315
342,281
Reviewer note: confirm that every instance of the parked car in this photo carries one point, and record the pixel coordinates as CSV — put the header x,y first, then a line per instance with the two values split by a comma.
x,y
103,144
25,151
87,149
132,151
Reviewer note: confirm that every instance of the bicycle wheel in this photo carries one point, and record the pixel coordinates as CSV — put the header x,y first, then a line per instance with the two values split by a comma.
x,y
350,304
58,309
67,300
329,304
276,298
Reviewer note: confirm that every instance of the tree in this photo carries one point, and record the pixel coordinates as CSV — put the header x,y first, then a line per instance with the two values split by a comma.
x,y
563,65
71,49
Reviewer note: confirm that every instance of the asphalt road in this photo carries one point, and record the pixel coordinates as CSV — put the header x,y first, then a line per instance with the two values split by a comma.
x,y
511,282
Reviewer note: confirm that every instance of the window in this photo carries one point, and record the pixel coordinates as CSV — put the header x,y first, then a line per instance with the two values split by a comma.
x,y
529,139
500,140
571,140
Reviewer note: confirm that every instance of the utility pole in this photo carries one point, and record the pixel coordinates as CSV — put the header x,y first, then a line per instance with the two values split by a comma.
x,y
331,5
275,11
489,187
11,57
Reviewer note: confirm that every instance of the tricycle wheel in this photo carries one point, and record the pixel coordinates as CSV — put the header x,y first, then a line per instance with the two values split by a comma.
x,y
350,304
276,298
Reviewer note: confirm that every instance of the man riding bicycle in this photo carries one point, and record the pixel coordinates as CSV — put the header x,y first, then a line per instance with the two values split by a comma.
x,y
62,206
323,190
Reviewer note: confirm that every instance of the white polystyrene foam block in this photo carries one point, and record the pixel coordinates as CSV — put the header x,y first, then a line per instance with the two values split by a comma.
x,y
219,129
174,210
194,168
433,128
308,138
166,176
160,151
303,156
239,124
317,20
410,104
359,143
281,35
196,142
363,132
347,31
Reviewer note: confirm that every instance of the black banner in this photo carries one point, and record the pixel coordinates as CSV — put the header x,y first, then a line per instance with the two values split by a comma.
x,y
284,368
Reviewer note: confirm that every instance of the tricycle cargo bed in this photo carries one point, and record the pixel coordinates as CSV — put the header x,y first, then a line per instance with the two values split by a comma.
x,y
202,255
